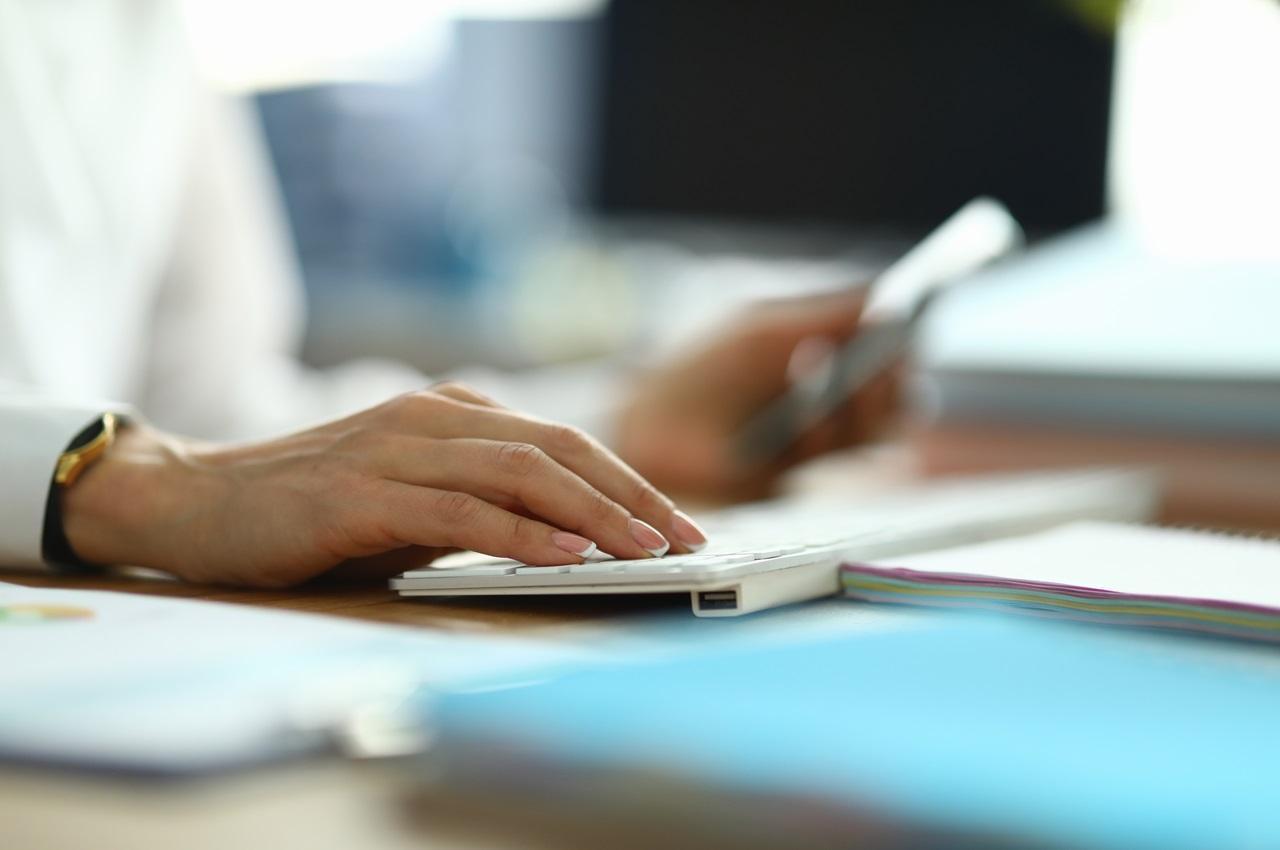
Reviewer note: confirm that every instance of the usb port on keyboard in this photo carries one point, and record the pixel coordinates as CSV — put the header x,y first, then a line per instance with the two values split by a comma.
x,y
717,600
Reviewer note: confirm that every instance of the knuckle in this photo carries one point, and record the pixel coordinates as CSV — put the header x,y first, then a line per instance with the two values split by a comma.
x,y
650,500
521,459
449,386
567,439
402,408
425,403
429,400
600,507
403,403
458,508
519,531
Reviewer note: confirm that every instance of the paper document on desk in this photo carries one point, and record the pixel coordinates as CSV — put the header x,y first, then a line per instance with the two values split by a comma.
x,y
959,732
1102,572
154,684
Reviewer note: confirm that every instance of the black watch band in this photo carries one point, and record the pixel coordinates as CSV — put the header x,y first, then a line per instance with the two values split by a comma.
x,y
55,548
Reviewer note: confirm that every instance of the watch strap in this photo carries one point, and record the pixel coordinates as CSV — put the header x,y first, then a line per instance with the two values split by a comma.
x,y
84,449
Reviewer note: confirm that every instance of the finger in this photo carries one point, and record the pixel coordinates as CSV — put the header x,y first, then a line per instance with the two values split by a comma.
x,y
860,419
462,392
830,314
425,516
878,406
774,335
447,419
504,472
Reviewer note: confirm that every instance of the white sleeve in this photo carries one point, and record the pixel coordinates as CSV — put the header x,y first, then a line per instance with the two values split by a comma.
x,y
222,357
223,354
34,432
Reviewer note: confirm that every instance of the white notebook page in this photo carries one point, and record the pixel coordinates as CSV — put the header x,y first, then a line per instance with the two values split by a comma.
x,y
1127,559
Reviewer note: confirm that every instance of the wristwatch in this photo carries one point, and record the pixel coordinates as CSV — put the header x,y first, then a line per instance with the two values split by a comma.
x,y
87,447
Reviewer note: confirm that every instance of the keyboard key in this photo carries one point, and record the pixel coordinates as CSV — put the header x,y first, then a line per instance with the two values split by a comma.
x,y
716,559
650,566
457,572
529,571
594,567
777,551
715,565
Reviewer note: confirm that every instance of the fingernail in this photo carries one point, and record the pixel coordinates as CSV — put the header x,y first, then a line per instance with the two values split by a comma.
x,y
687,530
574,544
649,538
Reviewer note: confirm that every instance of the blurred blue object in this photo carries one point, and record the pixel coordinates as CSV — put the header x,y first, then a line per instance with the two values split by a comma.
x,y
1046,732
435,182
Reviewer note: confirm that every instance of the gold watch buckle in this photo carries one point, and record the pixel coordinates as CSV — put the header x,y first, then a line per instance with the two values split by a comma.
x,y
74,461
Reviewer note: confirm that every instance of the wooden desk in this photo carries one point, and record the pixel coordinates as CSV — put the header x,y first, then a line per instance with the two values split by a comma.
x,y
314,805
373,602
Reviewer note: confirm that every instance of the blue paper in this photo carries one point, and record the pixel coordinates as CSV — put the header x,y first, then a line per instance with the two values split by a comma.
x,y
1058,733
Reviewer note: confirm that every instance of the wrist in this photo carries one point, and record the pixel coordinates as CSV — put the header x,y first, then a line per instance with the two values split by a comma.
x,y
134,505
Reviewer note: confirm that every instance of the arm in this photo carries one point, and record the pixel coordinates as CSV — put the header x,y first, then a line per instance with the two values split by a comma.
x,y
390,487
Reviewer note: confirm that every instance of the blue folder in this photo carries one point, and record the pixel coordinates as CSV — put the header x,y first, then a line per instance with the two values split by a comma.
x,y
1058,733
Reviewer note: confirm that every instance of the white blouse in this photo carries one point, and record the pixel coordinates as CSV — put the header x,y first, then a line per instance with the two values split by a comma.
x,y
144,264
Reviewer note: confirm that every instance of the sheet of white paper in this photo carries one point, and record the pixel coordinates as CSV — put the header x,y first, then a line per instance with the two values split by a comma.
x,y
151,683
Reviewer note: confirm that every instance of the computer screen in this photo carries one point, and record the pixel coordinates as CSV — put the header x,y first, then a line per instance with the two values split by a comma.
x,y
880,112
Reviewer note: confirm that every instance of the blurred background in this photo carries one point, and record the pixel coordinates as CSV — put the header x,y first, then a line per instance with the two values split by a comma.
x,y
453,167
523,182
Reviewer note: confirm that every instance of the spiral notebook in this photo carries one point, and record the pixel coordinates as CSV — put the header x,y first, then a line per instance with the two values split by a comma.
x,y
1102,572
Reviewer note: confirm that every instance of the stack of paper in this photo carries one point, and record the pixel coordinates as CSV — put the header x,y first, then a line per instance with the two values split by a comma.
x,y
1125,575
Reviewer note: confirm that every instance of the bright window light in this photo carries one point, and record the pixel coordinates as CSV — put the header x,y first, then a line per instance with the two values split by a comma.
x,y
247,45
1196,127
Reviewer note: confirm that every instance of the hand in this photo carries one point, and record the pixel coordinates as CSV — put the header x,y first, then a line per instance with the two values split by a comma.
x,y
680,426
376,493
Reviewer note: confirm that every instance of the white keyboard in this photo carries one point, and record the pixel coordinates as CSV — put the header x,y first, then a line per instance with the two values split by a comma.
x,y
769,554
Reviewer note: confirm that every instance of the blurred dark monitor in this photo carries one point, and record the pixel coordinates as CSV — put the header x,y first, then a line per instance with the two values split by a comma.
x,y
888,113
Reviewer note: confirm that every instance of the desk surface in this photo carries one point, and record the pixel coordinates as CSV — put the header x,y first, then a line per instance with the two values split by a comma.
x,y
321,804
316,805
373,602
